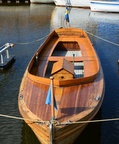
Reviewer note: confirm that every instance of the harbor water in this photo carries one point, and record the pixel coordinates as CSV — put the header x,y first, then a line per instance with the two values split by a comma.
x,y
26,26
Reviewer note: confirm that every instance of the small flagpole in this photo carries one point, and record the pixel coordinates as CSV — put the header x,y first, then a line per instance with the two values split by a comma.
x,y
52,99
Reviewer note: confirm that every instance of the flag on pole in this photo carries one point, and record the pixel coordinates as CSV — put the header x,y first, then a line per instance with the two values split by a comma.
x,y
66,18
49,99
66,14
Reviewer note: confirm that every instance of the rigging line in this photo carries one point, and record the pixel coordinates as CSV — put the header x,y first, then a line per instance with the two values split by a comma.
x,y
23,43
103,39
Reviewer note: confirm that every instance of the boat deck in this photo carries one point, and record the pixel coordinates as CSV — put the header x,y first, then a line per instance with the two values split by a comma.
x,y
78,84
84,62
75,101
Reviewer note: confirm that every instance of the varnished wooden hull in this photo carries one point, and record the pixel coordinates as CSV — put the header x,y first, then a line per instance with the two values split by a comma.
x,y
78,99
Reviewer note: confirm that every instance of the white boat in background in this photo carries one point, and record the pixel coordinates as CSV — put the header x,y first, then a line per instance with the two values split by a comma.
x,y
73,3
104,6
42,1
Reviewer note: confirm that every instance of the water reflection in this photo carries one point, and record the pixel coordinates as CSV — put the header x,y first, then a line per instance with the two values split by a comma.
x,y
104,17
78,17
41,14
82,18
28,136
92,133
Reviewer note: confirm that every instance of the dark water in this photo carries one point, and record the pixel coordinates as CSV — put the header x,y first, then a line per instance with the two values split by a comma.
x,y
23,25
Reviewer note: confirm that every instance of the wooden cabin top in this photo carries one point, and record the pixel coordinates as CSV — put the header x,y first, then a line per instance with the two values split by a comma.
x,y
73,46
63,64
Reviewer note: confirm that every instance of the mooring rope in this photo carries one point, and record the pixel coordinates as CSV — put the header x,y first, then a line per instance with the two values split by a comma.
x,y
20,118
103,39
91,121
24,43
66,123
79,122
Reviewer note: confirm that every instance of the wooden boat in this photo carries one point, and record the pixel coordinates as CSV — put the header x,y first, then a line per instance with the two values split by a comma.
x,y
73,3
104,6
67,64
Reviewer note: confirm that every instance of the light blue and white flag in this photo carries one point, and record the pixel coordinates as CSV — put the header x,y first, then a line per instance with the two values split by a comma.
x,y
49,98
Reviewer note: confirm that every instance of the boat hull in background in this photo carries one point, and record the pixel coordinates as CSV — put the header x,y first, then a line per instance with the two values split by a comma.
x,y
42,1
73,3
104,6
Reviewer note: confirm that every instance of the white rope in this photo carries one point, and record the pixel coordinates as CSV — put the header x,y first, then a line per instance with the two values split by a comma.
x,y
91,121
19,118
70,122
14,117
23,43
103,39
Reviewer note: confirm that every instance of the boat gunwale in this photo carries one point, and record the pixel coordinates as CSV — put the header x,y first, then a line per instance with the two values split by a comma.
x,y
76,81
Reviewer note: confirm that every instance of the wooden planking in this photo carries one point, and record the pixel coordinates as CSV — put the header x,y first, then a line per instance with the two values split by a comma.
x,y
75,100
39,103
83,58
34,98
70,96
90,68
67,103
41,131
80,97
28,91
43,56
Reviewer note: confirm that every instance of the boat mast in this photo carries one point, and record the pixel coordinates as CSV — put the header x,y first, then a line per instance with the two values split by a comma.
x,y
52,112
52,99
